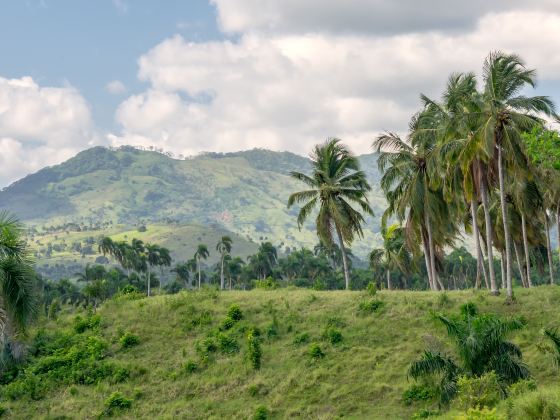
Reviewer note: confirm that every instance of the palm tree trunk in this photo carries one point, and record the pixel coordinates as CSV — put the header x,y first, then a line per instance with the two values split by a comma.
x,y
432,252
548,247
149,278
488,225
519,266
388,279
344,258
558,228
479,257
428,269
507,237
503,269
222,280
199,274
526,248
481,250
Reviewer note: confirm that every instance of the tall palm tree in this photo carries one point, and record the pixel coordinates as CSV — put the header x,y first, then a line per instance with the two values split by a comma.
x,y
234,269
200,254
394,255
505,115
224,248
18,301
335,185
182,271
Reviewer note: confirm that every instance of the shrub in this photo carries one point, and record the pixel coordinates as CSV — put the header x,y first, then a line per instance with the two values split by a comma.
x,y
227,344
261,413
476,413
332,335
129,340
444,300
116,402
254,351
90,322
190,366
234,312
536,406
522,387
424,413
272,329
301,338
227,324
371,288
267,284
2,410
418,393
370,306
481,391
316,352
205,347
199,319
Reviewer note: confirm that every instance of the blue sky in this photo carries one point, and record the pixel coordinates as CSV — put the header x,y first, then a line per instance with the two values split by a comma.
x,y
226,75
90,43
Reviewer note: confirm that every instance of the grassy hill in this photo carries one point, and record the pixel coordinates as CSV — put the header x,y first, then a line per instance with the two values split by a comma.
x,y
164,376
115,191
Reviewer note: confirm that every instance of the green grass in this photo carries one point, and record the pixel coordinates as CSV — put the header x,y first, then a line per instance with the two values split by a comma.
x,y
361,376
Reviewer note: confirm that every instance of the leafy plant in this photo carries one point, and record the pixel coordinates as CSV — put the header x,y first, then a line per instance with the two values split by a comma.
x,y
234,313
315,352
128,340
261,413
370,306
254,351
116,402
419,392
478,391
332,335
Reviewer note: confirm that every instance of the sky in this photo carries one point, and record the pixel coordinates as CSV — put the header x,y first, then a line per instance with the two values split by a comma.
x,y
227,75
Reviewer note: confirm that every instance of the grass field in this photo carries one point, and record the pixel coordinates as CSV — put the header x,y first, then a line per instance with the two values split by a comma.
x,y
362,376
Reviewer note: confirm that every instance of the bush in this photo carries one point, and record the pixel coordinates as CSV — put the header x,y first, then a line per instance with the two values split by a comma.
x,y
227,344
267,284
522,387
332,335
481,391
234,312
424,413
90,322
205,347
116,402
129,340
190,366
227,324
254,351
371,288
418,393
261,413
370,306
483,413
537,405
316,352
301,338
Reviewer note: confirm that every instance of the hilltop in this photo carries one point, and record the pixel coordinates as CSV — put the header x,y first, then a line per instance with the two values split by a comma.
x,y
174,372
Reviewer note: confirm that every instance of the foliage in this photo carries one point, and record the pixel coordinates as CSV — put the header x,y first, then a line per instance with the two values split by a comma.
x,y
537,405
332,335
234,312
418,393
254,351
128,340
315,351
481,391
480,413
370,306
261,413
116,402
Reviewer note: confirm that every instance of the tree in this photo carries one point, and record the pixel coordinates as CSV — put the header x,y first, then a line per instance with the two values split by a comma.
x,y
182,272
481,347
336,183
200,254
394,255
224,248
505,116
18,301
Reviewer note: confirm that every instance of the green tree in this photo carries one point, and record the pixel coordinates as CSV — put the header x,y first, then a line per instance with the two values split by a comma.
x,y
336,183
224,248
394,255
200,254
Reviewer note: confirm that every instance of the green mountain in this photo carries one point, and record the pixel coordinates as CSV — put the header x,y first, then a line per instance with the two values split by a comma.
x,y
104,191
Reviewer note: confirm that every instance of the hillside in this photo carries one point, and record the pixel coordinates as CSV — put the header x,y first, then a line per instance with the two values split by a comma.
x,y
105,191
164,376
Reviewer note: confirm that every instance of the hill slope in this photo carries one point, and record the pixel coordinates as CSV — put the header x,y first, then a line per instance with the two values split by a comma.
x,y
104,190
363,376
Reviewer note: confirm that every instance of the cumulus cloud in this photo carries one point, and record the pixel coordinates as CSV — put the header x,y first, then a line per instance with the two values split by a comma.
x,y
40,126
115,87
289,91
362,16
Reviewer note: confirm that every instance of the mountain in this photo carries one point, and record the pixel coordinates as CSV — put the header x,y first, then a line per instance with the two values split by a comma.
x,y
106,191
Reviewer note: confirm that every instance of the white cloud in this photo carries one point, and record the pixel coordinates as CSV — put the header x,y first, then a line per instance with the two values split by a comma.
x,y
40,126
115,87
121,6
290,91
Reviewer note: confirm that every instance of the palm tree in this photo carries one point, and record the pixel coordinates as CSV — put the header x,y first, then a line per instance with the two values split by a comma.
x,y
200,254
152,255
505,115
334,185
92,273
481,347
234,269
18,301
224,248
394,255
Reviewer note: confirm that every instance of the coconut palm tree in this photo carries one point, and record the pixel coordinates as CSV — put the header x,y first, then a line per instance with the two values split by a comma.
x,y
200,254
335,185
234,269
18,301
481,347
505,115
394,255
182,271
224,248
